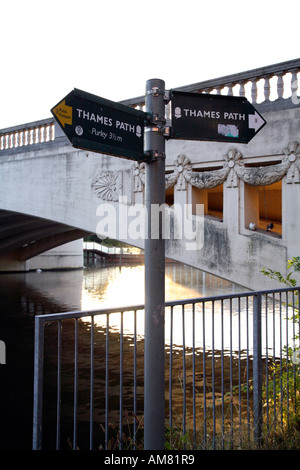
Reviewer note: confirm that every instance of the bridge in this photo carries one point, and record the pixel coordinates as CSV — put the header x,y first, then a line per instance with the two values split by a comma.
x,y
52,194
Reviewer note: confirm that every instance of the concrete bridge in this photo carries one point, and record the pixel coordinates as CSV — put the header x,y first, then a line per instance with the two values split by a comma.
x,y
52,194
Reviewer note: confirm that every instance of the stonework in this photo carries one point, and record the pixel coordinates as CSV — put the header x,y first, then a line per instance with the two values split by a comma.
x,y
106,185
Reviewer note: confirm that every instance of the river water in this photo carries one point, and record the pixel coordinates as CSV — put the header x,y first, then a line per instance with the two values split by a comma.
x,y
24,295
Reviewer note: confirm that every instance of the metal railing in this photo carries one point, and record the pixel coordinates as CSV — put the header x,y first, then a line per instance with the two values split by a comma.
x,y
111,250
226,380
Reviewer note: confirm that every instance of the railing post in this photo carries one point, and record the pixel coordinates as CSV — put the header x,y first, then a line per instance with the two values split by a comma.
x,y
38,384
154,379
257,368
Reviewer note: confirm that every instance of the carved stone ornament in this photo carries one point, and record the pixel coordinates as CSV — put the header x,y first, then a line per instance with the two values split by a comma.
x,y
138,177
293,153
181,173
105,186
264,175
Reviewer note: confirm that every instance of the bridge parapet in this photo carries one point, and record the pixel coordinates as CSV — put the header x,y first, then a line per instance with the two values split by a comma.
x,y
276,84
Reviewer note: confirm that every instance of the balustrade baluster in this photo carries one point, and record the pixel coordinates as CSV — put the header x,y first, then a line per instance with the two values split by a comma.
x,y
294,84
242,89
280,86
52,131
267,89
230,91
254,91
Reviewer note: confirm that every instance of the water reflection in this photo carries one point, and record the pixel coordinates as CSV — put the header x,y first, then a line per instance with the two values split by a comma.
x,y
112,286
24,295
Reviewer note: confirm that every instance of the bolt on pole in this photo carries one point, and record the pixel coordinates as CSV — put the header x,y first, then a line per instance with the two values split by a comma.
x,y
154,360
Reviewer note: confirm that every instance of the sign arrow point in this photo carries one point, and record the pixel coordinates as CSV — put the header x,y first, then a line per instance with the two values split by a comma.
x,y
63,113
255,121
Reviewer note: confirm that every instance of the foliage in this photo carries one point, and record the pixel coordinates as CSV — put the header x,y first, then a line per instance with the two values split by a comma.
x,y
110,242
282,390
293,263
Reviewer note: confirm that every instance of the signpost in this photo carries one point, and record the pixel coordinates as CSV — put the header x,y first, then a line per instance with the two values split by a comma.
x,y
219,118
96,124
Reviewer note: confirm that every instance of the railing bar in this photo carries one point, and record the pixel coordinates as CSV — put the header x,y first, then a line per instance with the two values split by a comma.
x,y
204,377
92,385
298,324
247,365
257,368
298,334
239,368
287,361
294,365
267,367
75,386
121,382
231,378
280,346
274,377
134,380
38,384
170,372
58,402
213,373
106,380
184,371
222,368
194,379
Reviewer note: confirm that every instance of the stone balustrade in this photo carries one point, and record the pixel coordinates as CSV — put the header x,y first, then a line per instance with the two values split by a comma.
x,y
278,81
261,85
29,134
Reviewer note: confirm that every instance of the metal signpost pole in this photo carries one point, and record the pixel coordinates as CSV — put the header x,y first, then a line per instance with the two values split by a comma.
x,y
154,361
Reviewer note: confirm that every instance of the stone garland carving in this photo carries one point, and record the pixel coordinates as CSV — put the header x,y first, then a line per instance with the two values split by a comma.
x,y
233,169
263,175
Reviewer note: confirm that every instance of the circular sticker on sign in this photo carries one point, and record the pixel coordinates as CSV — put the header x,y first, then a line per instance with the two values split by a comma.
x,y
78,130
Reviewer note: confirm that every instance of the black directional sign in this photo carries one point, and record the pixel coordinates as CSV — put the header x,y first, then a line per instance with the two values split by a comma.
x,y
209,117
94,123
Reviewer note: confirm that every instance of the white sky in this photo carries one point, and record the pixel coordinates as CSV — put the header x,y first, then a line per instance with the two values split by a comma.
x,y
112,47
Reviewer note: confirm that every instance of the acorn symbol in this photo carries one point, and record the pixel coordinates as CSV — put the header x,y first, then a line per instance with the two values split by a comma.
x,y
177,112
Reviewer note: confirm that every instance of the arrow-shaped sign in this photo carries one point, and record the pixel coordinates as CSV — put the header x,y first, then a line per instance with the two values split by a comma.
x,y
100,125
63,113
209,117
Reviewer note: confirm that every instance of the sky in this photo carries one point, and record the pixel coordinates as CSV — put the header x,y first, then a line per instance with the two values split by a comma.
x,y
112,47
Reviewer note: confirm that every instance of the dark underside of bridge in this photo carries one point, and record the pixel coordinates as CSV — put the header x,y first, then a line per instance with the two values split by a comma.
x,y
33,235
